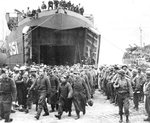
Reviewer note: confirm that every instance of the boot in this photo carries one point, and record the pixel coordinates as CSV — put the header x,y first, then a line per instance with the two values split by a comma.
x,y
52,110
58,116
46,114
84,111
37,117
78,116
127,119
69,114
13,111
26,111
8,120
147,119
121,119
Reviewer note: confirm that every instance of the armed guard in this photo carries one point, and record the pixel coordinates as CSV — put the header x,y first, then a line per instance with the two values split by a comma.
x,y
124,91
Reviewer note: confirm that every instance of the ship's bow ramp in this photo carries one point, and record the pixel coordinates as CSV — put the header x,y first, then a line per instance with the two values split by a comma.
x,y
54,38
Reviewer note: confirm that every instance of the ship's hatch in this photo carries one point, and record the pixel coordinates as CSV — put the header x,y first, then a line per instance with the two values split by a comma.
x,y
57,55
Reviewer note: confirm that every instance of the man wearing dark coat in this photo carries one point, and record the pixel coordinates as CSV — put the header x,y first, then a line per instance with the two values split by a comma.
x,y
80,95
138,83
65,95
8,94
54,80
43,87
21,90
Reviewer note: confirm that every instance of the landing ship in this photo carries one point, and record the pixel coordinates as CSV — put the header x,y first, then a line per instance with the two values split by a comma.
x,y
55,37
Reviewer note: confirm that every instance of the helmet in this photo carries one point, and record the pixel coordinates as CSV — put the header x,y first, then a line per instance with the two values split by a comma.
x,y
124,65
134,71
16,68
147,70
90,102
121,72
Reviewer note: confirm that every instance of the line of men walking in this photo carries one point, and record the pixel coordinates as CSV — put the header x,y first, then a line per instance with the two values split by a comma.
x,y
58,86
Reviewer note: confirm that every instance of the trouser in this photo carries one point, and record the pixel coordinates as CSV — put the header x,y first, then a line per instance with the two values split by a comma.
x,y
123,102
30,99
64,105
50,6
5,110
136,98
141,96
42,104
147,105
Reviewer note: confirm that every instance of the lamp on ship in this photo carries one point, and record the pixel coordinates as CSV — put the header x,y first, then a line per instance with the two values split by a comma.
x,y
24,32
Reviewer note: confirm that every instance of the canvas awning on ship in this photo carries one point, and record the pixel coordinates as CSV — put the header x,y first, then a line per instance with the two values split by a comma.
x,y
61,21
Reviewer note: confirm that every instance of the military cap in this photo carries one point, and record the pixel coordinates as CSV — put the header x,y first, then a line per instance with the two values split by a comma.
x,y
17,65
22,68
147,70
32,69
134,71
16,68
121,72
124,66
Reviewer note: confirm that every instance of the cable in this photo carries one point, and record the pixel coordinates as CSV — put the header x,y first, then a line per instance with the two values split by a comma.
x,y
113,44
37,26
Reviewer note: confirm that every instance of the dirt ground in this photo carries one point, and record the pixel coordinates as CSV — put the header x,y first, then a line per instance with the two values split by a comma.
x,y
101,112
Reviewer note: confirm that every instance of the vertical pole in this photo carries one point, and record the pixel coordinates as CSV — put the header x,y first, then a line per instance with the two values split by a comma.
x,y
99,46
23,48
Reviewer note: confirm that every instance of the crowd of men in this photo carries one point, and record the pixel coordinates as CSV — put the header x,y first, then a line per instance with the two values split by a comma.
x,y
55,4
122,83
42,85
64,86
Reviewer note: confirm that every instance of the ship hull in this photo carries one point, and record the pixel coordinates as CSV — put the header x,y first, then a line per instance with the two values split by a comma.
x,y
54,46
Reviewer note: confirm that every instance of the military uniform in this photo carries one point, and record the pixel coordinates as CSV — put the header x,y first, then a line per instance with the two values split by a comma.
x,y
43,87
147,94
80,95
137,89
124,91
21,91
65,97
54,91
7,95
